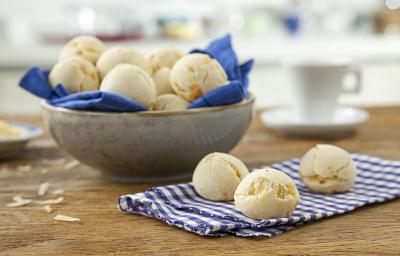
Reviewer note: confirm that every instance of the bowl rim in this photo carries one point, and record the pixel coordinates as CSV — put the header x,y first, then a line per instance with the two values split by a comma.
x,y
247,101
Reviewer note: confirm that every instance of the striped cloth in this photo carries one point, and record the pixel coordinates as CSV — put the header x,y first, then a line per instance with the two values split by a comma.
x,y
378,180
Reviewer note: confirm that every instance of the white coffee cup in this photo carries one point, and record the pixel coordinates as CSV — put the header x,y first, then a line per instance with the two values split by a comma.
x,y
317,83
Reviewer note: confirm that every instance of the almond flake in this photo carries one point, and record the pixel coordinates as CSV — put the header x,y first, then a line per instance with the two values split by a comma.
x,y
19,203
72,164
18,198
44,171
50,201
58,191
53,161
47,208
43,188
24,168
65,218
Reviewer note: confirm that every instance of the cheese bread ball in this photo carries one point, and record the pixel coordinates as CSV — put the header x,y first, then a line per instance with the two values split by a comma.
x,y
132,82
87,47
164,58
170,102
217,176
266,194
161,79
196,74
327,169
119,55
75,74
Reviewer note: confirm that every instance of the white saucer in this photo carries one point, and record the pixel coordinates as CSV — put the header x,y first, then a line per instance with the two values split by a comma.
x,y
346,120
10,147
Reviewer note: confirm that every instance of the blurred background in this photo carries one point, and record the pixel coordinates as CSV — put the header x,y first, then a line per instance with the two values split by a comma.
x,y
33,32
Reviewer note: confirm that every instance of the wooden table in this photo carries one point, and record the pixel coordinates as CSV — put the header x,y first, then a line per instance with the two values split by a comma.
x,y
103,229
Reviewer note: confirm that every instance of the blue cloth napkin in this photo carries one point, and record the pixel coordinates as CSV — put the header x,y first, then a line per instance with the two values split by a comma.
x,y
222,50
35,80
378,180
224,95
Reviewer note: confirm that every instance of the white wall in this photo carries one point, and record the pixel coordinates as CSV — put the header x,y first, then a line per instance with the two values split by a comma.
x,y
380,86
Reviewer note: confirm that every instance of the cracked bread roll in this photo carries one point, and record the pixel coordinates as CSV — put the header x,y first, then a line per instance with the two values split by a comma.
x,y
266,194
170,102
164,58
132,82
76,74
119,55
217,176
87,47
196,74
161,79
327,169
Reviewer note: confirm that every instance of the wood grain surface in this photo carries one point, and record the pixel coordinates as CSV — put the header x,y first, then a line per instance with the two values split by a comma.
x,y
103,230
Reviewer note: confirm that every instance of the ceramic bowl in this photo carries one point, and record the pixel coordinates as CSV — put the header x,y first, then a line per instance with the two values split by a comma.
x,y
151,145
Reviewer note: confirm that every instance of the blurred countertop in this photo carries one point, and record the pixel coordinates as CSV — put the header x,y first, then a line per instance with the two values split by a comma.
x,y
266,51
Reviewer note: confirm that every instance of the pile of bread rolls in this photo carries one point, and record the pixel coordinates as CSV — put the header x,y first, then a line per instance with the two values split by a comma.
x,y
165,80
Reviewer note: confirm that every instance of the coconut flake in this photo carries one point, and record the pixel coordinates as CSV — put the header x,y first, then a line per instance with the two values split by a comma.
x,y
58,191
65,218
18,198
50,201
72,164
43,188
59,161
47,208
24,168
19,203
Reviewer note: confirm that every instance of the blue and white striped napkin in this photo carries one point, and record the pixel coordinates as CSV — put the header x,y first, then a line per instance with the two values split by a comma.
x,y
378,180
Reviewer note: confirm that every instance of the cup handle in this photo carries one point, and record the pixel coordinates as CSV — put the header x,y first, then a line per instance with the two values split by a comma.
x,y
356,88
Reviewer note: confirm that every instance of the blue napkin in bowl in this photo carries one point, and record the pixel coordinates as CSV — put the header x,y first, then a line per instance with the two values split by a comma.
x,y
35,80
223,95
222,50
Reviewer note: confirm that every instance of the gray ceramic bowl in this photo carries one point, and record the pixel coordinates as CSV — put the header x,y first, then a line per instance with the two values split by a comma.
x,y
148,146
